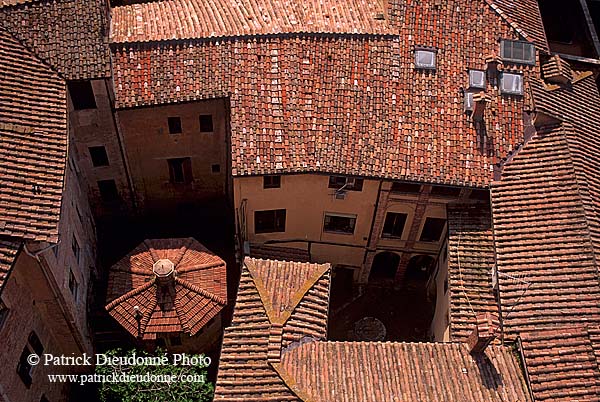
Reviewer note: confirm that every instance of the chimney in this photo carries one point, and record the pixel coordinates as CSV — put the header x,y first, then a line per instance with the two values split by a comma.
x,y
164,271
557,71
480,99
484,333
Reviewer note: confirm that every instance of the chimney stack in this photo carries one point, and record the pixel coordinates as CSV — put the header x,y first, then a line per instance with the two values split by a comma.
x,y
484,333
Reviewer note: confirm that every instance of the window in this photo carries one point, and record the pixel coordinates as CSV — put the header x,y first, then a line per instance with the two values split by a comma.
x,y
75,247
269,221
445,191
512,84
394,224
82,95
272,181
339,223
108,190
347,183
482,195
433,228
3,313
206,123
425,58
99,156
174,125
180,170
24,369
477,79
215,168
73,284
399,187
517,51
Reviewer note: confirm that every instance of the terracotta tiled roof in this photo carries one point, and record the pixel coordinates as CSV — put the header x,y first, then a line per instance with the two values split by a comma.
x,y
278,303
9,250
547,272
70,35
298,99
197,293
563,363
373,372
33,143
269,357
185,19
470,263
525,17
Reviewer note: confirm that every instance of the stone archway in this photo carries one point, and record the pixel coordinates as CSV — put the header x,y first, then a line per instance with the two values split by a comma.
x,y
384,267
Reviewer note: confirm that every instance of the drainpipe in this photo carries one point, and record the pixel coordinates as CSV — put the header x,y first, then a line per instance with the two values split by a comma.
x,y
375,209
121,142
57,295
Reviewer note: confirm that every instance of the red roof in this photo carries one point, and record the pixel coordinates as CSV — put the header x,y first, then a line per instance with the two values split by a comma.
x,y
297,99
470,264
195,293
69,35
275,351
8,253
33,143
185,19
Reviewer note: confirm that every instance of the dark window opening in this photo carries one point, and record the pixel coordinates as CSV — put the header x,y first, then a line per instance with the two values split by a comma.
x,y
174,125
339,223
384,266
35,343
3,313
394,224
99,156
180,170
433,229
75,247
24,369
400,187
82,95
206,123
44,399
108,190
269,221
345,183
73,285
566,28
175,340
160,342
480,195
445,191
216,168
272,181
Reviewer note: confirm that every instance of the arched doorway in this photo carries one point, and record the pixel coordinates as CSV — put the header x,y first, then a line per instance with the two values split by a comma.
x,y
385,265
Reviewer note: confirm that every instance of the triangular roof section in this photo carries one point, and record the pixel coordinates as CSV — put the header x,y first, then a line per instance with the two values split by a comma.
x,y
525,18
283,284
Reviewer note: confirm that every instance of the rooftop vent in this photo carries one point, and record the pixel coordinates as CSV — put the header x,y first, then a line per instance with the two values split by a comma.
x,y
484,333
557,70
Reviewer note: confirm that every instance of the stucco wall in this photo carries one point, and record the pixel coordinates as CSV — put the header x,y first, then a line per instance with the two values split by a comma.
x,y
440,326
149,145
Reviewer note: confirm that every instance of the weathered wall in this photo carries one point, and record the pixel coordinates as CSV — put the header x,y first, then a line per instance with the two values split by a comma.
x,y
440,326
149,145
96,127
30,303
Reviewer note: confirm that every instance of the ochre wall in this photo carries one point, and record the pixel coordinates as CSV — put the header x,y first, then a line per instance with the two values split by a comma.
x,y
149,144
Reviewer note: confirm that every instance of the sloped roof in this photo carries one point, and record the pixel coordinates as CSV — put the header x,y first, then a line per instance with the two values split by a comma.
x,y
296,292
9,250
33,143
470,263
69,35
269,357
298,99
525,17
199,290
185,19
383,371
563,363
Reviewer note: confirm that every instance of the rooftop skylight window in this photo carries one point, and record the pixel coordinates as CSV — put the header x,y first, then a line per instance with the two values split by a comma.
x,y
512,84
425,59
517,51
